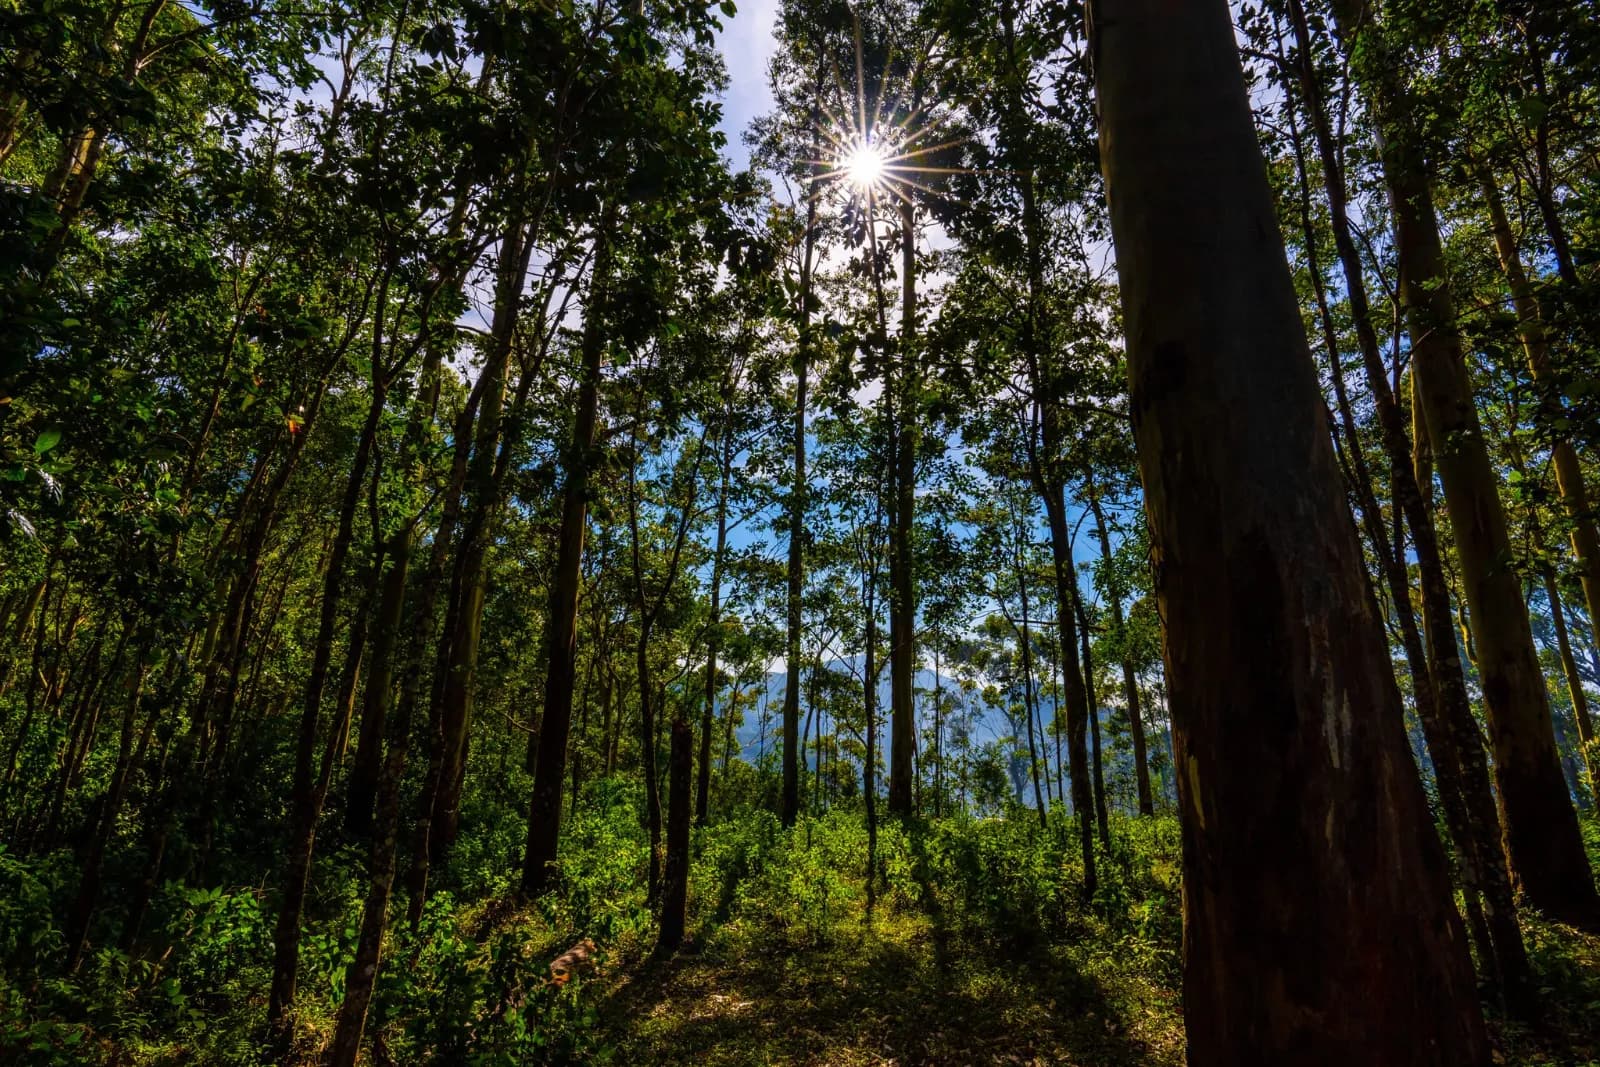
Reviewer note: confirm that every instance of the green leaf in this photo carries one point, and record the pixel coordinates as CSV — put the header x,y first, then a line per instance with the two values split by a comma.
x,y
46,441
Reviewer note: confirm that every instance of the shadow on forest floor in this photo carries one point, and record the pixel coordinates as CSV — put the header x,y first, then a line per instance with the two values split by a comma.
x,y
882,994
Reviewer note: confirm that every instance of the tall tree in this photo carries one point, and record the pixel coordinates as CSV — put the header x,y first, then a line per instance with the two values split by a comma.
x,y
1541,829
1275,660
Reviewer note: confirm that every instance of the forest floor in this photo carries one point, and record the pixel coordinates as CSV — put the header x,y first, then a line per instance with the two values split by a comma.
x,y
897,989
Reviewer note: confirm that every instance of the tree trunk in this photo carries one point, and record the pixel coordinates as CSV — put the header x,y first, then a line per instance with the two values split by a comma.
x,y
1318,923
869,696
675,890
361,790
1535,342
1540,825
544,813
1498,940
789,805
713,626
902,580
307,794
1025,637
1130,685
1077,697
1580,699
1102,821
1412,492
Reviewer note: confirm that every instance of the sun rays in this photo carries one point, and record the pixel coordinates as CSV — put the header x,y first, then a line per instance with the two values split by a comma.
x,y
876,149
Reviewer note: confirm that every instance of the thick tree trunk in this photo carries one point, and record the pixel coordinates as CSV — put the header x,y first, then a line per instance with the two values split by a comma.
x,y
1497,938
1318,923
1540,825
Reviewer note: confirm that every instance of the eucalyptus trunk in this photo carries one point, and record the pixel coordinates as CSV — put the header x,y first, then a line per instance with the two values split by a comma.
x,y
1318,925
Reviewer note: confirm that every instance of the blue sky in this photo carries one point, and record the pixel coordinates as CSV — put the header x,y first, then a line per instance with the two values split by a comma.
x,y
746,43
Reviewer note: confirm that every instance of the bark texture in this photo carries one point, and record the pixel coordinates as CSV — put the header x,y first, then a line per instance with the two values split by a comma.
x,y
1318,921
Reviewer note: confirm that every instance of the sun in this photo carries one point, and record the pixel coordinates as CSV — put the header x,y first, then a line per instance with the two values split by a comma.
x,y
864,166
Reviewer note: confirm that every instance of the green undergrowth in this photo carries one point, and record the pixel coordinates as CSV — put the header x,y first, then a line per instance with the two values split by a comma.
x,y
979,946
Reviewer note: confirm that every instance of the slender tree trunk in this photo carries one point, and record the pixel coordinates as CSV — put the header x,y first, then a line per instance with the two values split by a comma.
x,y
789,805
1102,821
1025,636
1498,939
90,866
362,974
1540,825
1130,685
1580,699
1318,923
1412,492
362,787
417,654
902,580
1535,342
675,888
869,696
938,738
544,813
1076,693
713,626
308,794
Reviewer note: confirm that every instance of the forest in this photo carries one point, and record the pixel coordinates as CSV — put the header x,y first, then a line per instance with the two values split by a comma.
x,y
821,532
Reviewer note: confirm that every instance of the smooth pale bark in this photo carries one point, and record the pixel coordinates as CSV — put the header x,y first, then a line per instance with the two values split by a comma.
x,y
902,582
544,813
1539,824
1318,926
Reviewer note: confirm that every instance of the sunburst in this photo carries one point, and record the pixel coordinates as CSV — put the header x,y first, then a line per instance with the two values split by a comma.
x,y
877,150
